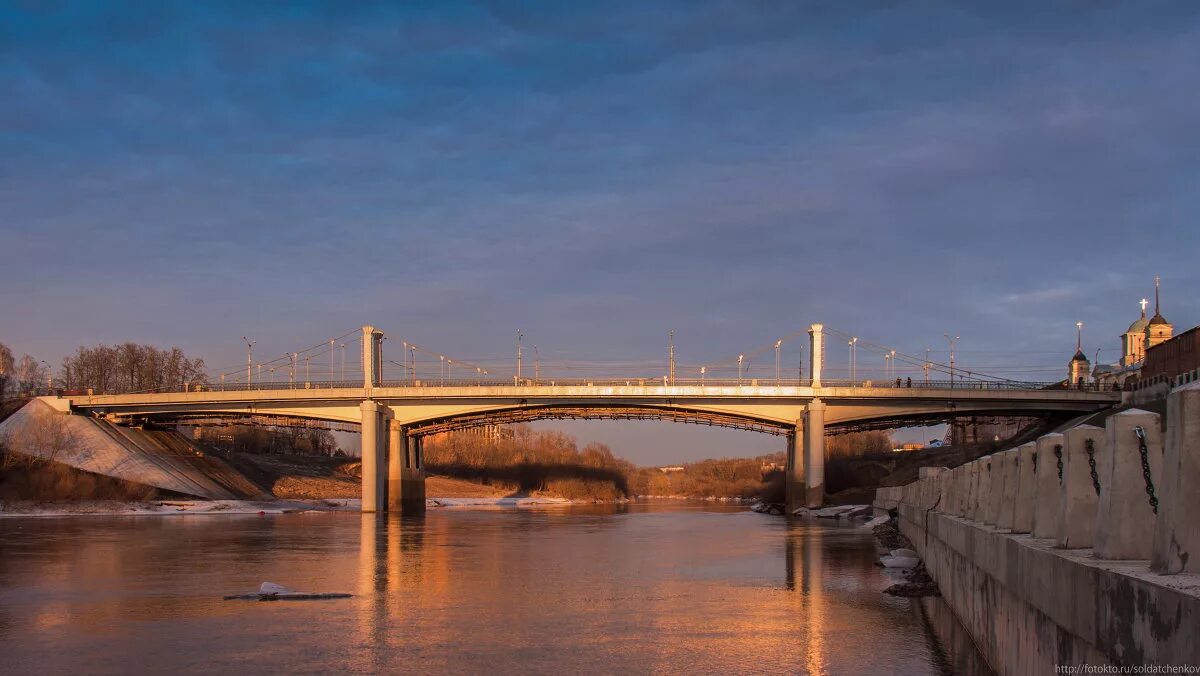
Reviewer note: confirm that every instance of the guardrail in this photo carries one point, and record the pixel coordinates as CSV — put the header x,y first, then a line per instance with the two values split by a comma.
x,y
612,382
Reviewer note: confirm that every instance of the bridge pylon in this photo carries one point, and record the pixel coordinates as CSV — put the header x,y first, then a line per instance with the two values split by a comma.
x,y
372,356
816,353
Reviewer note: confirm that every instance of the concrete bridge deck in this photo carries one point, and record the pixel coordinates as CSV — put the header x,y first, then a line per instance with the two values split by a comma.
x,y
394,420
395,417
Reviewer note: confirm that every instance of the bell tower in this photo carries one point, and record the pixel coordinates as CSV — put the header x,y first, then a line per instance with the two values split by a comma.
x,y
1158,330
1080,367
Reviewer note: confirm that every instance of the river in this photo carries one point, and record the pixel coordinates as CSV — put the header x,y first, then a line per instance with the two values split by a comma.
x,y
641,588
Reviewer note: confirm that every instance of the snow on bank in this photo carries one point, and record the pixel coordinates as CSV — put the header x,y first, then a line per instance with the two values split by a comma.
x,y
498,503
169,507
185,507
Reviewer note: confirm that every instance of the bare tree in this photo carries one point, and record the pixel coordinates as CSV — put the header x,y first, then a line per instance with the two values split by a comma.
x,y
46,436
6,368
130,367
30,374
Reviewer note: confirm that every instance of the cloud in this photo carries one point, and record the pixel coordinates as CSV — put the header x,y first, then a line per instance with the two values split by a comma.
x,y
594,175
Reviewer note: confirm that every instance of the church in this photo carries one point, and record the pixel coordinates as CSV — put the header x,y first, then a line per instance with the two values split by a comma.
x,y
1141,335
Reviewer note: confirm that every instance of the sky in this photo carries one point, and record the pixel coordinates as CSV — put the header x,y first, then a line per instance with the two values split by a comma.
x,y
596,175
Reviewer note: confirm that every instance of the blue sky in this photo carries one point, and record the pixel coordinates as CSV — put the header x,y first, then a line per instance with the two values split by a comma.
x,y
597,174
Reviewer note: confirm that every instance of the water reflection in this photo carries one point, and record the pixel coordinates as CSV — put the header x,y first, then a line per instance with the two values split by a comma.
x,y
640,588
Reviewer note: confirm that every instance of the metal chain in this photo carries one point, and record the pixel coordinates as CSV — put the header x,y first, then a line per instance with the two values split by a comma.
x,y
1141,435
1091,451
1058,454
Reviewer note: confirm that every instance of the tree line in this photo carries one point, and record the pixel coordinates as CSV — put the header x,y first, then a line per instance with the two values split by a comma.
x,y
270,440
520,458
104,369
130,367
19,377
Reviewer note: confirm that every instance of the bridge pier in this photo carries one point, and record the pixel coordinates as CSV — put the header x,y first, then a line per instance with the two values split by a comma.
x,y
406,472
397,452
371,449
814,454
793,473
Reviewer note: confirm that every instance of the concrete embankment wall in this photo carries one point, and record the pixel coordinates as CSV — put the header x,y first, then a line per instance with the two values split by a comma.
x,y
1054,554
160,458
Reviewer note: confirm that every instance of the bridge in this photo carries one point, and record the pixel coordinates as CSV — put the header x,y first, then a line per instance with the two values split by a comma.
x,y
395,416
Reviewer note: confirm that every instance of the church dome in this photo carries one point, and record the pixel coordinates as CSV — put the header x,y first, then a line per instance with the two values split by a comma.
x,y
1138,326
1079,356
1158,320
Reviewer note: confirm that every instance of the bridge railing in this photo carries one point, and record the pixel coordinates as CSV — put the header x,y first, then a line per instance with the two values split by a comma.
x,y
652,381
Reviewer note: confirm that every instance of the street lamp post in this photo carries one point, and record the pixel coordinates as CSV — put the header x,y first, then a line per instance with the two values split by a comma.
x,y
800,368
740,358
342,374
926,367
777,375
249,361
306,371
404,358
292,375
953,341
893,365
671,356
853,356
537,373
702,369
517,378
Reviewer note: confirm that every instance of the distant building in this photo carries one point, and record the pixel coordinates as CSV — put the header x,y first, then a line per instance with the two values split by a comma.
x,y
1172,362
1136,343
1079,370
670,470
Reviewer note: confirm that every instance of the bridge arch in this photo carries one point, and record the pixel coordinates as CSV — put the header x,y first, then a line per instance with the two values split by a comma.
x,y
519,414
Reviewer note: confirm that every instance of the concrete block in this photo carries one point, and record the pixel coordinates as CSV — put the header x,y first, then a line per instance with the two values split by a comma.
x,y
1026,499
1050,455
983,490
973,496
1124,518
1177,535
978,490
1075,525
959,490
995,489
1008,495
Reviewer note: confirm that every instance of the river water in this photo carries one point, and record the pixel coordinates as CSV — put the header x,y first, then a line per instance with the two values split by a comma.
x,y
640,588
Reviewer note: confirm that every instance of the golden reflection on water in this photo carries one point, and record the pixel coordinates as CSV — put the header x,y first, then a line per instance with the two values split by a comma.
x,y
665,589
